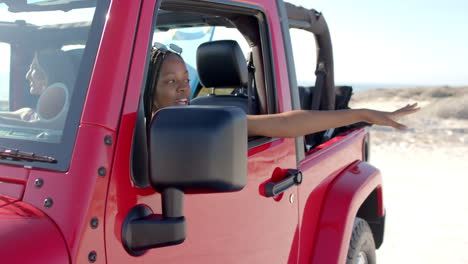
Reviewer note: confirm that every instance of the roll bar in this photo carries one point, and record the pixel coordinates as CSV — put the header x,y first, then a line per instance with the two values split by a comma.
x,y
314,22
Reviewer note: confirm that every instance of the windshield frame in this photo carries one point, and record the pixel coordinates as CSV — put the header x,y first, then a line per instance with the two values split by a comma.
x,y
62,151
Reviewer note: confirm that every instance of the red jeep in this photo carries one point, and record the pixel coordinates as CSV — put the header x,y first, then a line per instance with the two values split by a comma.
x,y
87,178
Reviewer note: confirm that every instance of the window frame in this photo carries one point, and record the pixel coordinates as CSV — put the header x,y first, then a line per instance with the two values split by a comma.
x,y
294,91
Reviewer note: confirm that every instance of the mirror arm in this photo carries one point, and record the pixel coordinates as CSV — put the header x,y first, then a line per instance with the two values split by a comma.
x,y
172,203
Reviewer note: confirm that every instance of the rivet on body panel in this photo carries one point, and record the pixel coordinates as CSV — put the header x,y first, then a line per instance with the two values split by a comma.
x,y
291,198
48,202
92,256
102,171
108,140
94,223
38,182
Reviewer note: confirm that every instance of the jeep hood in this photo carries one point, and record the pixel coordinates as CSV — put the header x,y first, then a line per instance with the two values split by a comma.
x,y
27,235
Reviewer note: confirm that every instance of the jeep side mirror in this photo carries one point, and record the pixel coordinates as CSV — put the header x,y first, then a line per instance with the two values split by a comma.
x,y
196,149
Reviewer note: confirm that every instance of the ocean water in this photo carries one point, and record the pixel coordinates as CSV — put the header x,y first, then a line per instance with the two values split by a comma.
x,y
360,87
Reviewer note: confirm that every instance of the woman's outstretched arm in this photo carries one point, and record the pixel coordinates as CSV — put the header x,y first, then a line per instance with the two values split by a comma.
x,y
20,114
302,122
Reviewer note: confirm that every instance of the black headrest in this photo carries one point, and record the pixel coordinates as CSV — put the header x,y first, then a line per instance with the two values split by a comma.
x,y
222,64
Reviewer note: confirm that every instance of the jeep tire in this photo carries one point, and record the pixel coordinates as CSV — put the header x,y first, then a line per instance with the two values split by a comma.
x,y
362,246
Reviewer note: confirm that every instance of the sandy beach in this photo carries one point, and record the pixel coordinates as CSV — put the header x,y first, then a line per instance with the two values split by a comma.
x,y
425,173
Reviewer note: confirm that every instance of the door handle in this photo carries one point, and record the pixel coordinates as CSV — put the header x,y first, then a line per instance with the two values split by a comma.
x,y
293,177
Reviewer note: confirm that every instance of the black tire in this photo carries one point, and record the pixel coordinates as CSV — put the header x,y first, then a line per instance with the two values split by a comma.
x,y
362,244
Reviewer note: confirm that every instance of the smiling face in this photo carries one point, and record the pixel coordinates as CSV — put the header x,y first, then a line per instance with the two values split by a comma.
x,y
173,84
37,77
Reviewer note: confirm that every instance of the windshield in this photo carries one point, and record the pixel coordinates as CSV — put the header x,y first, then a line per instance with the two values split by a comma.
x,y
46,57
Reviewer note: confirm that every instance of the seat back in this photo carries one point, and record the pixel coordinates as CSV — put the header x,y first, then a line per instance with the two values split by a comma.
x,y
221,64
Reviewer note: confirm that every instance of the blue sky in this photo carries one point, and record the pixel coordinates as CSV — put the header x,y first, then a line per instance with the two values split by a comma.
x,y
412,42
397,42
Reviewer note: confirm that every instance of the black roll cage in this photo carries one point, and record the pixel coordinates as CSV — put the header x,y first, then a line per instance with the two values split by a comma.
x,y
314,22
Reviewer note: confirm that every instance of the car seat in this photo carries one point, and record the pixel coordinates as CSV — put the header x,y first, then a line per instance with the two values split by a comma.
x,y
221,64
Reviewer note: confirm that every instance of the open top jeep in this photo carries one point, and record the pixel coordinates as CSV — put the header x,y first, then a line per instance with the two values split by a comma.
x,y
92,179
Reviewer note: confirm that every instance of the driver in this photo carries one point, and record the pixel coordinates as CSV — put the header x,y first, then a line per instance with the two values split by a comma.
x,y
50,75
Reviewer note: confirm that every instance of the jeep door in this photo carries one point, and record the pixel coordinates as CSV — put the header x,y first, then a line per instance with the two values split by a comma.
x,y
240,227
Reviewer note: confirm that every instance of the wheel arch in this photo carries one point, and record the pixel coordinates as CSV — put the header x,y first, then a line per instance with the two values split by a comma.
x,y
360,184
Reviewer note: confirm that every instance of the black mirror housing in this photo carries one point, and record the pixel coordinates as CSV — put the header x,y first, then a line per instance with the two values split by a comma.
x,y
198,149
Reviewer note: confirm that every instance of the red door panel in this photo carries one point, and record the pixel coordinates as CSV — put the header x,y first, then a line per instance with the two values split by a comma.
x,y
319,170
240,227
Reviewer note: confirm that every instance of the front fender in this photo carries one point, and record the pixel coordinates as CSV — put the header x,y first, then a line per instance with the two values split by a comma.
x,y
344,197
28,236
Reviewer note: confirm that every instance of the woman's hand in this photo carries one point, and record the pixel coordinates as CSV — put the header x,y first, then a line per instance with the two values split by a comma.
x,y
25,114
389,118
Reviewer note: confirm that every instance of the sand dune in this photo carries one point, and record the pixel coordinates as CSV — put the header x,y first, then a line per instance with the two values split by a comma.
x,y
425,173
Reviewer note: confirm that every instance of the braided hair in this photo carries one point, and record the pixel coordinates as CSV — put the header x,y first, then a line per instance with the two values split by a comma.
x,y
158,55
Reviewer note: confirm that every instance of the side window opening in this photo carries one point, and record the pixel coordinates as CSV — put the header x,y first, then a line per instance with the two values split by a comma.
x,y
305,62
218,25
305,50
